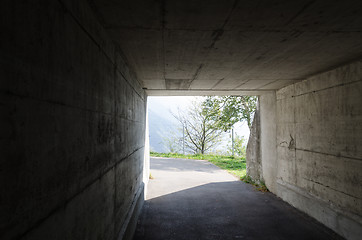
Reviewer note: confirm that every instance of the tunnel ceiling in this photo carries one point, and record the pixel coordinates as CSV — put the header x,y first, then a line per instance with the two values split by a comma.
x,y
227,45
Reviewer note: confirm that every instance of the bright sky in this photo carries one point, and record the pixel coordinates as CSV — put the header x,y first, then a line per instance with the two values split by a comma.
x,y
171,103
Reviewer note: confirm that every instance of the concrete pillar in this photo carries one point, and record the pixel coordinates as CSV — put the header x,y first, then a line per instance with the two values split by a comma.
x,y
253,157
268,139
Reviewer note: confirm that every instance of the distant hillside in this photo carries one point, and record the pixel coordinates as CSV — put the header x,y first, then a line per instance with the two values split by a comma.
x,y
160,125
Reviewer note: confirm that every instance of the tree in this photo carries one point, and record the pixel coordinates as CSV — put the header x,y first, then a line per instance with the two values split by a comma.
x,y
228,110
199,129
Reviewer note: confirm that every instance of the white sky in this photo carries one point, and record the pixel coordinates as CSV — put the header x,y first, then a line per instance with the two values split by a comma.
x,y
171,102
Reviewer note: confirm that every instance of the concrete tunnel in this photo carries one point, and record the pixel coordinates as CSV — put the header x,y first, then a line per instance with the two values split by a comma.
x,y
75,76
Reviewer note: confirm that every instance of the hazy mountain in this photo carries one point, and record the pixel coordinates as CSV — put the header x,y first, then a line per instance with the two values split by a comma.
x,y
161,125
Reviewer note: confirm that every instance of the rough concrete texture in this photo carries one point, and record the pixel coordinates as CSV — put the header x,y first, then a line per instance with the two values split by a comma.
x,y
203,45
193,199
253,157
268,130
72,125
319,137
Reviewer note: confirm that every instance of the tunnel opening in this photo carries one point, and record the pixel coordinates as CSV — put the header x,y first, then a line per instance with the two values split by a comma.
x,y
214,128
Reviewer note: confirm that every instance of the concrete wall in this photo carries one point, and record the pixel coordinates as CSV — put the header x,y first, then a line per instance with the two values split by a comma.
x,y
319,153
72,126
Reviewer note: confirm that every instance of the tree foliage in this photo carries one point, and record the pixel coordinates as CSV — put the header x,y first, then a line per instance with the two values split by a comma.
x,y
225,111
199,129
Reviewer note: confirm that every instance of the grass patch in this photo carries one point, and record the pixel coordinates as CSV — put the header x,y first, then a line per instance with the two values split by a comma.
x,y
259,186
235,166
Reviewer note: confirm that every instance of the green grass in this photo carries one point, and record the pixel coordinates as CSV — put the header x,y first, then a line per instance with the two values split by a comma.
x,y
235,166
259,186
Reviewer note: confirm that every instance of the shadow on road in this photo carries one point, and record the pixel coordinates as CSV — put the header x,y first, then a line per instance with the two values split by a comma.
x,y
225,210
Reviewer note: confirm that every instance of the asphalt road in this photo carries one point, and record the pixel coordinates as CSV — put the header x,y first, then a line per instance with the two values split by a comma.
x,y
195,200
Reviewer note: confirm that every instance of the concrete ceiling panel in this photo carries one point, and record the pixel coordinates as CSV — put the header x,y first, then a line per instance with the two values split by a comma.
x,y
201,15
135,14
215,45
228,84
296,15
185,53
178,83
254,84
154,84
143,49
265,15
203,84
278,84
